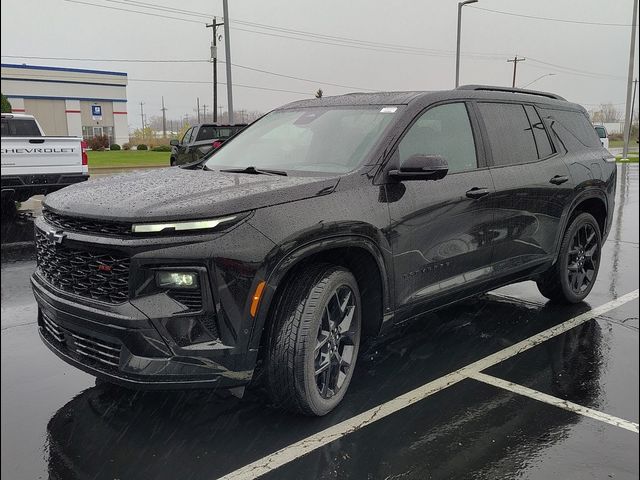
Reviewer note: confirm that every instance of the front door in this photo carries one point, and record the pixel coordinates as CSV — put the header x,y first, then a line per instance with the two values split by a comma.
x,y
438,230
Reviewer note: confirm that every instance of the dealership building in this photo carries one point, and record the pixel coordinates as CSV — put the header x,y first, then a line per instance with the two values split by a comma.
x,y
70,101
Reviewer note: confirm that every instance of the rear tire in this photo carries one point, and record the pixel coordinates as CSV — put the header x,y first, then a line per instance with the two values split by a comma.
x,y
313,341
575,271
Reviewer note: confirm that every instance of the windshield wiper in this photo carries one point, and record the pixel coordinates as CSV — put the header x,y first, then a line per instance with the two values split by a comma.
x,y
254,171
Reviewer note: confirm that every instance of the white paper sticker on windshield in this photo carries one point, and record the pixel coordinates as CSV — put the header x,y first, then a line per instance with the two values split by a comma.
x,y
389,110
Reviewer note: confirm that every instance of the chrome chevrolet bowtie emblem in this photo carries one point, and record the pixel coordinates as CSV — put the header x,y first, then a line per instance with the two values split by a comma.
x,y
55,237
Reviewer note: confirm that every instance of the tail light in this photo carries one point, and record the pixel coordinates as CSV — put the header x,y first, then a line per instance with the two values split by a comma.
x,y
85,157
217,144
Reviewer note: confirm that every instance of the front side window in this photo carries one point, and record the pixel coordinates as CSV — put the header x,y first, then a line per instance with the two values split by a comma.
x,y
315,139
446,131
187,136
510,133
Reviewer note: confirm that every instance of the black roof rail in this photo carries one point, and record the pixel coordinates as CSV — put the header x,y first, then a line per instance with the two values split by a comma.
x,y
489,88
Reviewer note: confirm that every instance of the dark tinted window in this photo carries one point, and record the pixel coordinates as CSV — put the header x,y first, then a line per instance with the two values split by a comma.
x,y
443,130
510,134
539,133
187,136
13,127
207,133
578,125
602,133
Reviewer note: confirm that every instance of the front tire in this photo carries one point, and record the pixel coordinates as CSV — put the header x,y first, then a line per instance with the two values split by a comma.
x,y
573,275
314,339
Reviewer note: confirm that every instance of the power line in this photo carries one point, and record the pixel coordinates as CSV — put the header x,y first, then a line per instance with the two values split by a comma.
x,y
550,19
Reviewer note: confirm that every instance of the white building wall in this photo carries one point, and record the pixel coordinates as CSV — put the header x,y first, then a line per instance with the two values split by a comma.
x,y
17,105
120,123
74,123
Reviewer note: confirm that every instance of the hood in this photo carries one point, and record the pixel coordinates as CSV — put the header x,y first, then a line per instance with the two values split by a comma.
x,y
176,193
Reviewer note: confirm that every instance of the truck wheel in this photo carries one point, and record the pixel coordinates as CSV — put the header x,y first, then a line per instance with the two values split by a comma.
x,y
172,162
313,340
572,277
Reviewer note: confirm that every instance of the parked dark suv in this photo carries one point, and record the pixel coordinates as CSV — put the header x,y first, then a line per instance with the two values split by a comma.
x,y
326,221
199,140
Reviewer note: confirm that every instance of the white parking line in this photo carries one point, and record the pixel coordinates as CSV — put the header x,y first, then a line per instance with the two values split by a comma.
x,y
557,402
306,445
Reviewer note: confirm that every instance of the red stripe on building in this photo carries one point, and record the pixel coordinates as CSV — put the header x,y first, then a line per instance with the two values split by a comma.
x,y
72,111
18,110
119,113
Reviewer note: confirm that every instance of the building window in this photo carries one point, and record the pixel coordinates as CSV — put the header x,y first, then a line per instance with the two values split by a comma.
x,y
97,130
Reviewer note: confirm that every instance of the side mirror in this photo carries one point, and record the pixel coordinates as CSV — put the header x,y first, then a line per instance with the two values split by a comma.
x,y
174,143
422,167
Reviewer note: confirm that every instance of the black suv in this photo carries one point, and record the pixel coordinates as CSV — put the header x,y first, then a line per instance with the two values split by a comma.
x,y
199,140
326,221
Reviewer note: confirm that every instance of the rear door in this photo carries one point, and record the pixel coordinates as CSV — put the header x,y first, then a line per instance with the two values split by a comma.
x,y
203,142
532,185
438,230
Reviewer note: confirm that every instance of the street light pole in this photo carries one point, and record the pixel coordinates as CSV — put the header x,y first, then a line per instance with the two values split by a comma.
x,y
539,78
227,52
460,5
627,112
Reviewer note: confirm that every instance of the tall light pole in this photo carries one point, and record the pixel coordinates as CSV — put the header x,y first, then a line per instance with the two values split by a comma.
x,y
627,112
460,5
227,52
539,78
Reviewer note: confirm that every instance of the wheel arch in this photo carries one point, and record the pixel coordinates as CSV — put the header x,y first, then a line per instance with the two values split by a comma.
x,y
593,201
358,254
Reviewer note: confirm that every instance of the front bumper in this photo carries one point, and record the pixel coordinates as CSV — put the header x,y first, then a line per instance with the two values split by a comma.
x,y
126,348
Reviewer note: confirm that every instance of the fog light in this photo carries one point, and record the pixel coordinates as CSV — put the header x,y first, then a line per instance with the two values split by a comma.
x,y
183,280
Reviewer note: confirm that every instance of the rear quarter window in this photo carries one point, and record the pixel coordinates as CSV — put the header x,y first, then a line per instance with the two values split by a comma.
x,y
577,125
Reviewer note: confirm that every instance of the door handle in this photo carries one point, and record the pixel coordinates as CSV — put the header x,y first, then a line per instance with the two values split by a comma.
x,y
477,192
559,179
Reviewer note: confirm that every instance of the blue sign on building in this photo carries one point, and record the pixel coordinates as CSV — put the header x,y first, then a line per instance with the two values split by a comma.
x,y
96,110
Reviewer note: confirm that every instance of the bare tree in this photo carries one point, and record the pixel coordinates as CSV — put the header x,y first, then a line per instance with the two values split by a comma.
x,y
607,113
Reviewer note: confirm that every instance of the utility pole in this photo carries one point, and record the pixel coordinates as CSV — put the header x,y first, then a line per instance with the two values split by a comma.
x,y
164,119
204,113
221,108
460,5
627,113
198,104
214,60
633,100
142,118
227,53
515,61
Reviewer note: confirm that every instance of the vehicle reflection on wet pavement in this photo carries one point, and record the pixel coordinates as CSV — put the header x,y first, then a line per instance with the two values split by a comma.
x,y
57,422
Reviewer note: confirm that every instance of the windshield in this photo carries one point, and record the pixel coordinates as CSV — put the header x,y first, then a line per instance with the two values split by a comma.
x,y
602,133
320,139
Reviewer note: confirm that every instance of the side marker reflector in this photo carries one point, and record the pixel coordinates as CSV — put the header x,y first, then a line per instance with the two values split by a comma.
x,y
256,298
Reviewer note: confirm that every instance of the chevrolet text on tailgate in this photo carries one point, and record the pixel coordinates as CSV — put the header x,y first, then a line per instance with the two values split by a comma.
x,y
326,221
34,164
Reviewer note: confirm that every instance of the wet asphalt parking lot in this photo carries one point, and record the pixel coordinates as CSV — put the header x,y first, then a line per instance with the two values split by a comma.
x,y
502,386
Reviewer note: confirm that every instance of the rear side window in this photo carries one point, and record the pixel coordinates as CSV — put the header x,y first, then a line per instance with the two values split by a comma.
x,y
543,144
578,125
445,131
510,133
13,127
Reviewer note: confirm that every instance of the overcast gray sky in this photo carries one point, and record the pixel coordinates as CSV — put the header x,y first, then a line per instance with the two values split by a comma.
x,y
589,61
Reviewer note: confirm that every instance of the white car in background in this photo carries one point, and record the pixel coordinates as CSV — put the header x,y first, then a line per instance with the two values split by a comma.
x,y
604,137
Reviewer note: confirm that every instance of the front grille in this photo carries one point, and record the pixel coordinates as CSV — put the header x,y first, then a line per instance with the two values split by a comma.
x,y
98,353
97,274
190,299
86,225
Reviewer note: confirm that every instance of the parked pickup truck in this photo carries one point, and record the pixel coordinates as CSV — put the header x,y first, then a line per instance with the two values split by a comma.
x,y
200,140
33,164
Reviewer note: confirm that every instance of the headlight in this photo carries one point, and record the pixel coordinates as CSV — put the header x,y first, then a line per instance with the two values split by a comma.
x,y
180,226
177,280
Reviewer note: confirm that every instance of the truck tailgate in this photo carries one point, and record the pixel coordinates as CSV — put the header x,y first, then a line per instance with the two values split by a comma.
x,y
41,155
